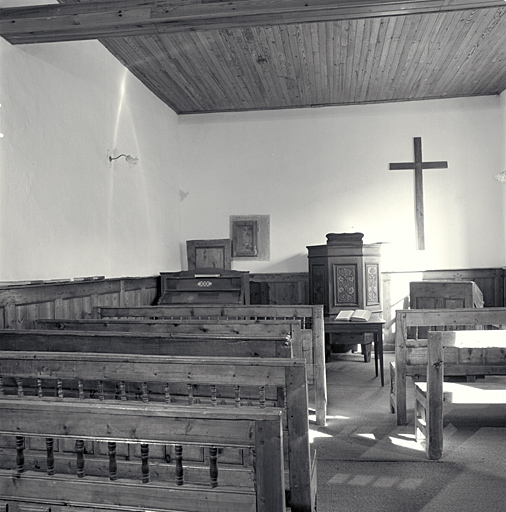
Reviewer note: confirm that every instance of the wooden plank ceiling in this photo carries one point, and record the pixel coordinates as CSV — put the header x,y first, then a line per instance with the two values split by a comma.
x,y
210,56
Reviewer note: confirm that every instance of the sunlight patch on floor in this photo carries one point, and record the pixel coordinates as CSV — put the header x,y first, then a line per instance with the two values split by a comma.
x,y
313,434
363,480
367,436
409,442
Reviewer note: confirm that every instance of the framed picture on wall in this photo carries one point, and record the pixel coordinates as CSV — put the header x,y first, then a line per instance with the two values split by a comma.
x,y
244,238
250,235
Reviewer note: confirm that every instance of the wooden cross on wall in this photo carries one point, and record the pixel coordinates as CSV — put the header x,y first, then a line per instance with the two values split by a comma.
x,y
418,165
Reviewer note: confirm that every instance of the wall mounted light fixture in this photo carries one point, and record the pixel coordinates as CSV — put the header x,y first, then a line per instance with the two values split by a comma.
x,y
129,158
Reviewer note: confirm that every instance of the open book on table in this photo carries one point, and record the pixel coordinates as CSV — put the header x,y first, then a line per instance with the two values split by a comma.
x,y
354,315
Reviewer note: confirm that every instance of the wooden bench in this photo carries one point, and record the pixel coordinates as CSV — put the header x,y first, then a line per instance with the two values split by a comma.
x,y
146,343
212,381
143,426
457,353
263,328
309,317
411,354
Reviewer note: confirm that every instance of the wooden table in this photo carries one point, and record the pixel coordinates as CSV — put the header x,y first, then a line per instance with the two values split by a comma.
x,y
373,326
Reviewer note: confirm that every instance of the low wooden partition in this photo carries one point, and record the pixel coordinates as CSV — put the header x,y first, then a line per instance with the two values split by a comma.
x,y
23,488
411,353
310,319
457,353
260,382
23,303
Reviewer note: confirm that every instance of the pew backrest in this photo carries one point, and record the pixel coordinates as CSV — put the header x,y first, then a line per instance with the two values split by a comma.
x,y
411,354
309,316
264,328
146,343
144,426
218,382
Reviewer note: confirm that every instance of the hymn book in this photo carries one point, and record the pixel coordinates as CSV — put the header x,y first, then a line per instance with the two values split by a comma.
x,y
357,315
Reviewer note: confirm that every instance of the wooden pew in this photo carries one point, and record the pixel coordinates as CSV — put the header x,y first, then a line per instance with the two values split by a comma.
x,y
219,381
411,354
116,423
146,343
310,318
457,353
263,328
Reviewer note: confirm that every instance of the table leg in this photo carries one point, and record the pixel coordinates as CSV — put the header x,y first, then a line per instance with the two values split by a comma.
x,y
376,352
380,354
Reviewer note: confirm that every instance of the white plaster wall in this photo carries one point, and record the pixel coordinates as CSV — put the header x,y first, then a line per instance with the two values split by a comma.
x,y
327,170
65,210
503,167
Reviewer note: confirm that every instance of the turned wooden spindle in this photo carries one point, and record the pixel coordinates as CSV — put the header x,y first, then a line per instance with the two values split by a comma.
x,y
20,455
1,386
59,388
237,393
113,465
80,458
179,464
19,384
145,463
214,398
80,387
39,388
261,395
190,394
213,466
101,393
122,391
167,394
50,455
145,396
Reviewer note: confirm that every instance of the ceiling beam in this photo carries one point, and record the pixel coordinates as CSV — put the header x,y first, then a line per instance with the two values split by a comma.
x,y
121,18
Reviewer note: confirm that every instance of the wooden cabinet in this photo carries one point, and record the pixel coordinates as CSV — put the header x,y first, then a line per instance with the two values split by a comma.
x,y
345,274
204,286
209,253
442,295
435,294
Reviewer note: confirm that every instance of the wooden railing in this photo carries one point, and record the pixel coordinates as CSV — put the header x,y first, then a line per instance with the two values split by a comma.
x,y
140,425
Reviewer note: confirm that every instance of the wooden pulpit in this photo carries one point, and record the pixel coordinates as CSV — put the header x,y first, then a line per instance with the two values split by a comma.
x,y
345,274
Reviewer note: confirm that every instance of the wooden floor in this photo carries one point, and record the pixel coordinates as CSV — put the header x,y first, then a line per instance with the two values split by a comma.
x,y
366,463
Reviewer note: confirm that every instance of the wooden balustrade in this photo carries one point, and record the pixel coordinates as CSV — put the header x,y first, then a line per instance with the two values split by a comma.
x,y
221,384
252,429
